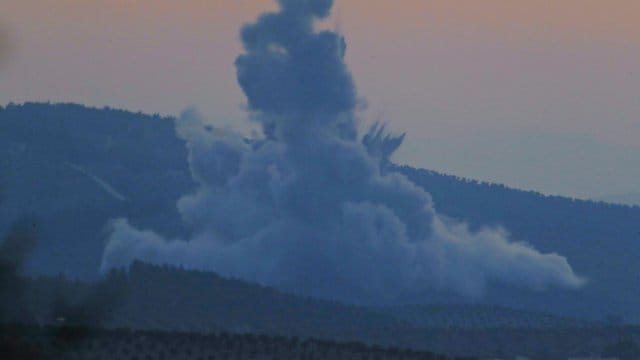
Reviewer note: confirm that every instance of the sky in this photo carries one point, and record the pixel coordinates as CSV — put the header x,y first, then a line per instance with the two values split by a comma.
x,y
541,95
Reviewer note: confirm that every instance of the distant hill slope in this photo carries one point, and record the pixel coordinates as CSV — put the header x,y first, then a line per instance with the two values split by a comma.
x,y
470,316
150,297
75,168
161,297
55,161
31,342
199,300
600,240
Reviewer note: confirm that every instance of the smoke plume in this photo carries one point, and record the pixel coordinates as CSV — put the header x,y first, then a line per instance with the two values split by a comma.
x,y
310,206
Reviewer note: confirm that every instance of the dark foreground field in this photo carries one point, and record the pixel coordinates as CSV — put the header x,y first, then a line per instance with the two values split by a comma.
x,y
24,343
67,342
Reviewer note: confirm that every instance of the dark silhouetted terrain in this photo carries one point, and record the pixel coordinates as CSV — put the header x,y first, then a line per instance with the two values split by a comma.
x,y
157,299
59,343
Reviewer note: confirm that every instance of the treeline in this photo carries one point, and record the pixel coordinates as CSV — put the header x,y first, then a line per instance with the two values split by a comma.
x,y
149,297
58,318
163,297
19,342
474,316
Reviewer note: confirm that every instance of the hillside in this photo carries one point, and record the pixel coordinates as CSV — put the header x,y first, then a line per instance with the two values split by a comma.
x,y
51,156
54,342
155,299
81,343
168,298
160,297
601,241
148,297
474,316
74,168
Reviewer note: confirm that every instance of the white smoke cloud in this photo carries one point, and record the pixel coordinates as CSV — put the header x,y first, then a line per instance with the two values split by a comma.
x,y
311,208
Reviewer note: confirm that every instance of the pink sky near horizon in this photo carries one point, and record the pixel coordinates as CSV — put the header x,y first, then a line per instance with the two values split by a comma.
x,y
440,69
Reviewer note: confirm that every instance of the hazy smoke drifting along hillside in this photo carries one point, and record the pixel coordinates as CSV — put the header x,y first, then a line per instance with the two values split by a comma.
x,y
309,207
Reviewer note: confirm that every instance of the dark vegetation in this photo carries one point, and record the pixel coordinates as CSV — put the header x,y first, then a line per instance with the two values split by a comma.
x,y
625,349
477,316
63,343
14,251
138,155
159,298
28,301
63,319
167,298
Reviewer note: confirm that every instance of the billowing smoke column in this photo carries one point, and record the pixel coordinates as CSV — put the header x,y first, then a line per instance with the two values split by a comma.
x,y
309,207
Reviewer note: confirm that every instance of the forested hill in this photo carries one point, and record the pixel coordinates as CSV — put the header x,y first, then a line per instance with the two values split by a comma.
x,y
55,162
162,297
148,297
75,168
600,240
